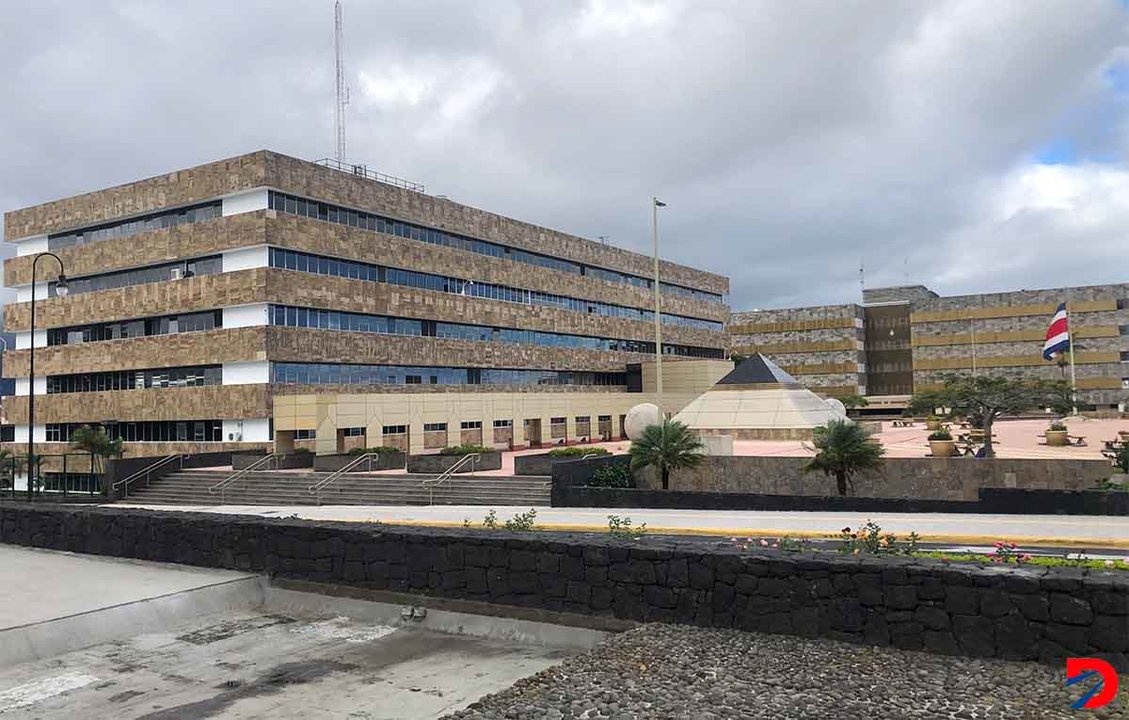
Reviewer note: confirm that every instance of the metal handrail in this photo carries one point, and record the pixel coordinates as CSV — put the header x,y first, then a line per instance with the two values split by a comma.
x,y
222,485
317,487
145,471
445,476
363,171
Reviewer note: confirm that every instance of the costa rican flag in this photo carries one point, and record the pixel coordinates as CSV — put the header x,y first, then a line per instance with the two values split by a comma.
x,y
1058,334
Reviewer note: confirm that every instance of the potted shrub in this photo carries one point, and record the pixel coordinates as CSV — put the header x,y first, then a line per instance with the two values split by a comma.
x,y
933,423
941,443
1057,434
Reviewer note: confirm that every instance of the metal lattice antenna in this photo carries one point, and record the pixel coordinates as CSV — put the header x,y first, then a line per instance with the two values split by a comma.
x,y
342,89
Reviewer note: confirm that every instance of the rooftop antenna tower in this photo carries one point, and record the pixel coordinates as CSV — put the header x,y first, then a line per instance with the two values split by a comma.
x,y
342,89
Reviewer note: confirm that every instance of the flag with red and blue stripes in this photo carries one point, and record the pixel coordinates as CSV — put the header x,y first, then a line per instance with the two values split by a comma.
x,y
1058,334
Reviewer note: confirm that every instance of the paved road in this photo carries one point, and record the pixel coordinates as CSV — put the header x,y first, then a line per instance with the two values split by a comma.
x,y
966,529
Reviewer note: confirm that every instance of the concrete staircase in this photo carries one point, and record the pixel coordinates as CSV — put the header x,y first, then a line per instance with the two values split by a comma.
x,y
190,487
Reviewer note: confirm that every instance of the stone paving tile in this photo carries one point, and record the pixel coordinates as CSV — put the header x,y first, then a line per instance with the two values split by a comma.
x,y
668,671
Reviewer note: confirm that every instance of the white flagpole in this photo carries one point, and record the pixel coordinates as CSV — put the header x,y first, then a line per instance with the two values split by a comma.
x,y
1073,380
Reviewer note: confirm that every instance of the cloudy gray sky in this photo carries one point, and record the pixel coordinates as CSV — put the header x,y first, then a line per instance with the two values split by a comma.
x,y
971,145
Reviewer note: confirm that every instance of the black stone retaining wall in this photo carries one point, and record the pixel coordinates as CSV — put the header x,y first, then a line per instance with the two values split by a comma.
x,y
1028,613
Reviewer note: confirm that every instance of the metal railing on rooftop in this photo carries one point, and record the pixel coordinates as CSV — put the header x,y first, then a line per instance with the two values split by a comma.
x,y
363,171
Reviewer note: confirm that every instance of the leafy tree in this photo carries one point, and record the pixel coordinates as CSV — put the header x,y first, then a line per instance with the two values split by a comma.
x,y
844,448
95,441
853,401
985,398
669,446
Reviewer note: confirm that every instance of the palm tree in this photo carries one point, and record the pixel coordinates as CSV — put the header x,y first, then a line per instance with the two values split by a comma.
x,y
95,441
669,446
844,448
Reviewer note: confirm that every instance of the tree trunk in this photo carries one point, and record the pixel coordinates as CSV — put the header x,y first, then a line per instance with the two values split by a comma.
x,y
841,481
666,477
989,451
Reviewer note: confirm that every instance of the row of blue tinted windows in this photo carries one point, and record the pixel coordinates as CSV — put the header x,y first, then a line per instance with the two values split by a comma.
x,y
291,316
305,262
140,276
344,374
133,226
295,205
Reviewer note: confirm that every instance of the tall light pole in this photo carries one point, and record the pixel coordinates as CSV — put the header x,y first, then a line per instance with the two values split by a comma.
x,y
655,205
61,291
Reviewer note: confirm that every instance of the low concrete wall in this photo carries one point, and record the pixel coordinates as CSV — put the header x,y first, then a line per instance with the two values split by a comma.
x,y
924,478
992,501
240,461
1020,613
540,464
380,461
437,464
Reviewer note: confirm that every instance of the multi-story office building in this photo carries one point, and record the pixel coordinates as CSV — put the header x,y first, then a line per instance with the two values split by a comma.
x,y
197,299
906,339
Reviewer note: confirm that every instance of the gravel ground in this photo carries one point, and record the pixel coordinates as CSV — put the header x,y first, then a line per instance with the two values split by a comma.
x,y
672,671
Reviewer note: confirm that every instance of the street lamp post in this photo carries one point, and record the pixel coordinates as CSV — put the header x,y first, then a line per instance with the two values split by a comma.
x,y
61,291
655,205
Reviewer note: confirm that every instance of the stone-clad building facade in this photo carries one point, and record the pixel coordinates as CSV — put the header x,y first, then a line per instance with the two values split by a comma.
x,y
909,338
197,297
821,346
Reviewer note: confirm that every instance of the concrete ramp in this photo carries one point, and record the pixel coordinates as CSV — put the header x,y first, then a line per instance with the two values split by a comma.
x,y
92,637
55,602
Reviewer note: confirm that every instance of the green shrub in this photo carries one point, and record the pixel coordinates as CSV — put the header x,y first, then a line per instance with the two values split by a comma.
x,y
1057,427
1121,459
302,451
464,450
617,475
577,451
942,434
522,521
621,528
379,450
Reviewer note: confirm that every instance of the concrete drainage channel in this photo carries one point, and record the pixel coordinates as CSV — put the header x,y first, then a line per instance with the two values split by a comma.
x,y
145,640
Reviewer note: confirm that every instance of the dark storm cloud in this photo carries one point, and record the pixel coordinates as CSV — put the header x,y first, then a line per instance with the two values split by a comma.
x,y
791,139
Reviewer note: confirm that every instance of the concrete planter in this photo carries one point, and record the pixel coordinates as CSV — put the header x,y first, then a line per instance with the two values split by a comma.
x,y
381,461
239,461
1057,438
539,464
942,448
437,464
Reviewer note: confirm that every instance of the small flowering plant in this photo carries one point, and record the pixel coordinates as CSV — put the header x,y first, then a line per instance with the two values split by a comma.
x,y
871,540
1008,552
785,543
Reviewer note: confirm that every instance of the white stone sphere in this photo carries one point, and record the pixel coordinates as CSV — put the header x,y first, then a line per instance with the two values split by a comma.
x,y
837,405
639,418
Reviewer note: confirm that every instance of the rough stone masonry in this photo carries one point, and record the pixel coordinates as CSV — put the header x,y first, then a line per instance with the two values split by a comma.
x,y
1026,613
